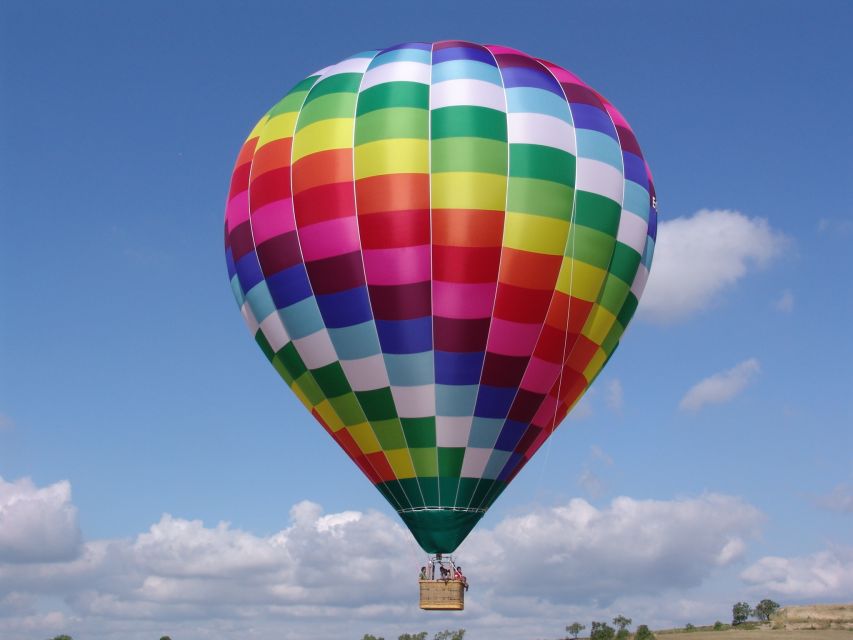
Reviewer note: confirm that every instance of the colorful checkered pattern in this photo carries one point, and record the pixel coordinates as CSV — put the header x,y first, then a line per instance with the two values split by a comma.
x,y
438,247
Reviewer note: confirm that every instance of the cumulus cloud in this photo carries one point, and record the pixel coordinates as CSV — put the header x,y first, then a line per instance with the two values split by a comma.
x,y
37,525
720,387
822,575
579,553
349,573
785,303
699,257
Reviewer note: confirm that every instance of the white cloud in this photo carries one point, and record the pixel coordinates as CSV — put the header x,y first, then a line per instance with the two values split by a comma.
x,y
346,574
37,525
839,499
699,257
614,395
720,387
822,575
579,553
785,303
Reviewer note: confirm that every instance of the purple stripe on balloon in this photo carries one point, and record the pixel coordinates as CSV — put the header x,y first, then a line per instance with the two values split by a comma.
x,y
522,77
653,223
635,169
456,52
589,117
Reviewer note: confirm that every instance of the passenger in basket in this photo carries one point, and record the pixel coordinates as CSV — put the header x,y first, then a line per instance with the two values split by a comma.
x,y
423,574
457,575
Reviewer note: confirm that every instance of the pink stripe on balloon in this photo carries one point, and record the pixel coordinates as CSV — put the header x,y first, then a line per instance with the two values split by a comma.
x,y
614,114
237,211
330,238
273,219
545,414
540,375
512,338
499,49
401,265
460,300
562,75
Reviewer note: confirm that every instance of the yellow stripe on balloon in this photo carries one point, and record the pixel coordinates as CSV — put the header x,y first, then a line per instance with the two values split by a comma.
x,y
281,126
580,279
364,437
538,234
299,393
384,157
256,131
401,462
598,324
334,133
330,417
468,190
595,365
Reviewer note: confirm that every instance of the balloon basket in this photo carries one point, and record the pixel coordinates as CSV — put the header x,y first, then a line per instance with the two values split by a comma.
x,y
439,591
442,595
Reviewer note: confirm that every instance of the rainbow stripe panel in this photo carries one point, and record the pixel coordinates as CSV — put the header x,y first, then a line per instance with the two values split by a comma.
x,y
438,247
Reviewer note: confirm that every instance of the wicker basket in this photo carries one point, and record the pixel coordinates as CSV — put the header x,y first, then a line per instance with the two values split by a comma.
x,y
442,595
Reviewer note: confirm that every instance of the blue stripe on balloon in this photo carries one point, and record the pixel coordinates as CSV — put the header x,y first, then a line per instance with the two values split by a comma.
x,y
510,435
484,432
411,369
509,466
289,286
494,402
249,271
495,464
405,336
302,319
260,301
458,368
533,100
345,308
355,342
455,400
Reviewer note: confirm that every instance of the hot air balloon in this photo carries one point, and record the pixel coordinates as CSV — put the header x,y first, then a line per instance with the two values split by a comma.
x,y
438,246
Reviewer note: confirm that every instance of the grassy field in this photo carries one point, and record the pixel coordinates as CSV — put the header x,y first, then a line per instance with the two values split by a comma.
x,y
765,633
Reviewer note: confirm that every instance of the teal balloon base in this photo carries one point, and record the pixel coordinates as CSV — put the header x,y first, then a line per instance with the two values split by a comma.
x,y
440,530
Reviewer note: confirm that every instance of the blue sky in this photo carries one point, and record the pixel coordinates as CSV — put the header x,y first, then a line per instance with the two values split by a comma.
x,y
127,371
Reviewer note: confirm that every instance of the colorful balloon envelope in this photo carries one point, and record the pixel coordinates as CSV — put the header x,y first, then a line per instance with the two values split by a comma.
x,y
438,247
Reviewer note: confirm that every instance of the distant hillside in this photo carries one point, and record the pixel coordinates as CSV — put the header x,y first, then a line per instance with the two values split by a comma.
x,y
815,616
